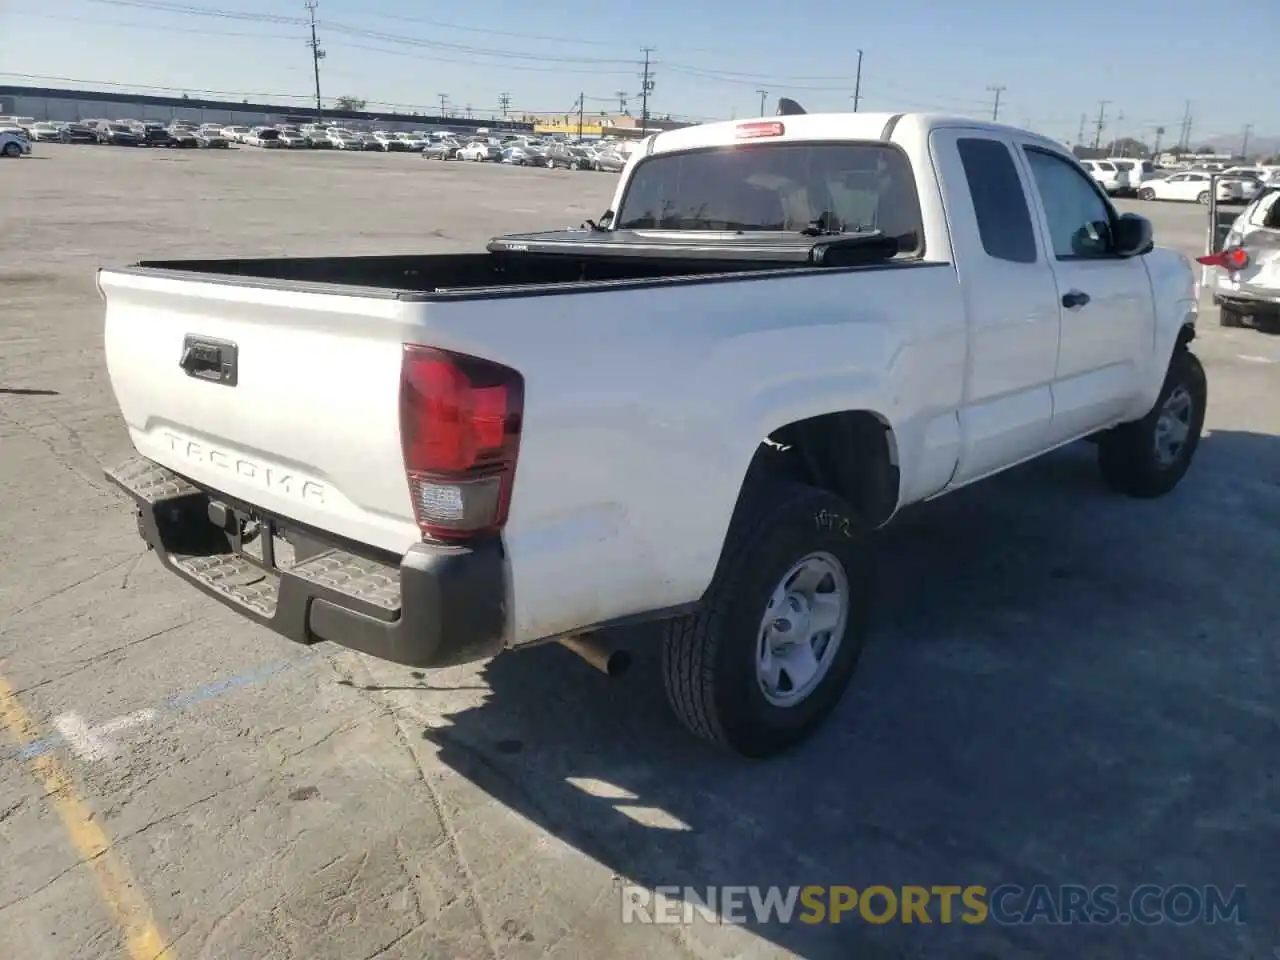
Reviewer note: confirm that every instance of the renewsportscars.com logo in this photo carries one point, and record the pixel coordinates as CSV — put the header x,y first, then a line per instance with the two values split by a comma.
x,y
1007,904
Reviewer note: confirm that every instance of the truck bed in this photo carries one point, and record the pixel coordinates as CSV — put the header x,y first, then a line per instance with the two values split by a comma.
x,y
517,265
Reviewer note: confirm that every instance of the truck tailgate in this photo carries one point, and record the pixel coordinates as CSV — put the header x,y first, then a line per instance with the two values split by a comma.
x,y
288,400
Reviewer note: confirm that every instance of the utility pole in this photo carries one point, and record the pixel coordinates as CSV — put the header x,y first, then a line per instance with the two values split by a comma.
x,y
622,101
1244,147
646,88
1155,151
468,111
504,101
995,110
317,55
857,84
582,101
1080,135
763,95
1100,123
1184,138
444,98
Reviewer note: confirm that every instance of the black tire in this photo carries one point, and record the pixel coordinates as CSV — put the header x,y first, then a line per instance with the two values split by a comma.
x,y
1127,454
12,150
1203,197
709,657
1229,316
1146,193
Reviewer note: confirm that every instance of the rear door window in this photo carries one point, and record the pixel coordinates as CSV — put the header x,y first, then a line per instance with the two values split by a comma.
x,y
999,202
777,187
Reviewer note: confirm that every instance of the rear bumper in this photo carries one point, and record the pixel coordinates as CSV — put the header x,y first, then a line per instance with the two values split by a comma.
x,y
433,607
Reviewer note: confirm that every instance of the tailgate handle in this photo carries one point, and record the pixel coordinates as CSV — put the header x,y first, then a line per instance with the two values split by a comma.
x,y
212,360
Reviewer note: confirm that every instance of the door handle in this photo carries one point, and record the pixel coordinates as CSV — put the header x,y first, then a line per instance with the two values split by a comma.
x,y
1074,298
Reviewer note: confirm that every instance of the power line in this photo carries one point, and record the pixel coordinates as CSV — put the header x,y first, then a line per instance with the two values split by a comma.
x,y
472,62
317,54
163,28
163,6
995,110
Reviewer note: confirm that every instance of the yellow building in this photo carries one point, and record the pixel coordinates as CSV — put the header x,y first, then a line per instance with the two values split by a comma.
x,y
621,125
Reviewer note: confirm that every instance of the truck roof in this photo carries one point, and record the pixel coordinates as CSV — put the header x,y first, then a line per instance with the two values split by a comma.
x,y
830,126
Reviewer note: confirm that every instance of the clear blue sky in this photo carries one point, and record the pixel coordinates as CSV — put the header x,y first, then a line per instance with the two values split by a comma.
x,y
1056,60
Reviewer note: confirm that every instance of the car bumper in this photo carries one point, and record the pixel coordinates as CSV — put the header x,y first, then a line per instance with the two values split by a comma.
x,y
1243,296
435,606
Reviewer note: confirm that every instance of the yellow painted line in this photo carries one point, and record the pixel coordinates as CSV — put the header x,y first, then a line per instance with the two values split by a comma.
x,y
122,896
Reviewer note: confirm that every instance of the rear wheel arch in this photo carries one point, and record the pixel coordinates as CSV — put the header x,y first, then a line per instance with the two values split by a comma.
x,y
850,453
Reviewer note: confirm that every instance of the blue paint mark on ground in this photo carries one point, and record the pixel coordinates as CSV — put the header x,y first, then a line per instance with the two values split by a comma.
x,y
190,698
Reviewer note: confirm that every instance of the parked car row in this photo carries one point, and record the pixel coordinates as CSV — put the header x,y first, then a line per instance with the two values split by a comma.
x,y
606,156
1236,185
524,151
1136,177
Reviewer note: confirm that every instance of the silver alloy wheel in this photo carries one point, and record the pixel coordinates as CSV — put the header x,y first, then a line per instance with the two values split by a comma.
x,y
801,629
1173,425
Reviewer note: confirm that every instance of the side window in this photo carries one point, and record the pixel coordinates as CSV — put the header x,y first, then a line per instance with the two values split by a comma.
x,y
999,203
1079,219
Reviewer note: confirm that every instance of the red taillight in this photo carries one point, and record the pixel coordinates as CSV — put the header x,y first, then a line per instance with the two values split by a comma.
x,y
460,421
760,128
1232,258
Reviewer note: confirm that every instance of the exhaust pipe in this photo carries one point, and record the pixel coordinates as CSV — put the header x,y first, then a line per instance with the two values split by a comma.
x,y
612,663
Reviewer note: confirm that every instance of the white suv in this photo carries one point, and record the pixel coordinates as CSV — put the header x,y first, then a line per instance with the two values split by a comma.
x,y
1139,171
1108,176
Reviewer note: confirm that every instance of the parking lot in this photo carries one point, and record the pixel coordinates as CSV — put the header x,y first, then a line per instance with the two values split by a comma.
x,y
1065,687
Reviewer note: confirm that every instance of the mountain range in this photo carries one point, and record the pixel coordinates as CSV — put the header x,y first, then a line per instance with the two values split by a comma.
x,y
1263,146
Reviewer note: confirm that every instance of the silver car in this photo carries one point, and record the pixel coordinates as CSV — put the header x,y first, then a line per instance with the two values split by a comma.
x,y
1244,276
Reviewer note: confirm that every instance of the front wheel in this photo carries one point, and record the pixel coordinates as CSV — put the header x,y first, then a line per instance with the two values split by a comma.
x,y
1146,193
1149,457
1203,197
777,639
12,150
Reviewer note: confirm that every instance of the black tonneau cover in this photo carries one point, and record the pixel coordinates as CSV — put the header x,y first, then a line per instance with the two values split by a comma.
x,y
841,250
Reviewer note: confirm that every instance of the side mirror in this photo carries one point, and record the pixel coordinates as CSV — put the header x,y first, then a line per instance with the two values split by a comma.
x,y
1132,236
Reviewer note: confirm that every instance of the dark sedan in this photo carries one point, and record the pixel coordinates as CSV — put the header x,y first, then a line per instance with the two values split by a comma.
x,y
154,134
78,133
119,135
183,137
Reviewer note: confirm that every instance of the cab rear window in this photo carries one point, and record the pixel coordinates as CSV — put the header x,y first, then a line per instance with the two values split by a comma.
x,y
778,187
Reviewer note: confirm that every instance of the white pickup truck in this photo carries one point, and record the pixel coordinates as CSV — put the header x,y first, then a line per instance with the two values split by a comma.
x,y
695,411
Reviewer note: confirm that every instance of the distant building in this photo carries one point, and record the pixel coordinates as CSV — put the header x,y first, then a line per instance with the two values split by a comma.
x,y
616,125
49,103
1195,159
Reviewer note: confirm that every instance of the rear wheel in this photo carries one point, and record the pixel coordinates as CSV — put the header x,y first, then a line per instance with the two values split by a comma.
x,y
1146,193
769,654
1148,457
1203,197
1230,316
12,150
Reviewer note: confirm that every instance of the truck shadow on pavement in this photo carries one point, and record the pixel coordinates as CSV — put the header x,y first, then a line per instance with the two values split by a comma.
x,y
1064,687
